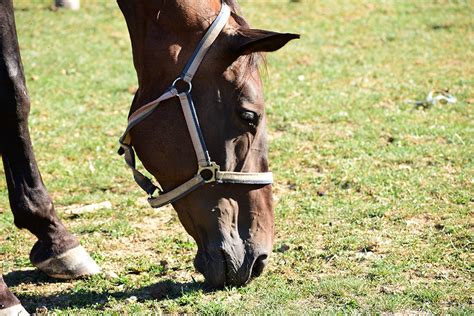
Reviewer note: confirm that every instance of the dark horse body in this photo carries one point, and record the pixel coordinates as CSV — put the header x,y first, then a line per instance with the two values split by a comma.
x,y
232,224
56,252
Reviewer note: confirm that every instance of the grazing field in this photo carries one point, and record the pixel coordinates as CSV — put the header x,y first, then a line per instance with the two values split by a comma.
x,y
374,194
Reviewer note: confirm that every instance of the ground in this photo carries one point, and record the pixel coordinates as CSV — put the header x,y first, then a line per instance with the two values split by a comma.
x,y
374,194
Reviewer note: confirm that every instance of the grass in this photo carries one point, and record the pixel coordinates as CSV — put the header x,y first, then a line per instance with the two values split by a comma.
x,y
374,196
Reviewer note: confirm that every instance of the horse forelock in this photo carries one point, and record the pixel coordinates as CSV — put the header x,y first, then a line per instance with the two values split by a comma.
x,y
233,5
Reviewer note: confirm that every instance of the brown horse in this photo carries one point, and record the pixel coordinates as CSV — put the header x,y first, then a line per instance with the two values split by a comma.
x,y
231,223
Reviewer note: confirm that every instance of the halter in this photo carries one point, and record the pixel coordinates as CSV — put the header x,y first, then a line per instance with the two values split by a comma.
x,y
207,170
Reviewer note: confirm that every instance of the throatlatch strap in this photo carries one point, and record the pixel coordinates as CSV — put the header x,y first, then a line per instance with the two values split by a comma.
x,y
125,142
143,112
145,183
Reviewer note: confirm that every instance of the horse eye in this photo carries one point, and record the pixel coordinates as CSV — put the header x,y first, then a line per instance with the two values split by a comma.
x,y
248,116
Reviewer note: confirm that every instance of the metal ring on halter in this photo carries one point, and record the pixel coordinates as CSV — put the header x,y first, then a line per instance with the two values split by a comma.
x,y
209,173
190,85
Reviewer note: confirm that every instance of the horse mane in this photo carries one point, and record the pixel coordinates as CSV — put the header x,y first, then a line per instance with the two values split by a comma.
x,y
236,13
233,5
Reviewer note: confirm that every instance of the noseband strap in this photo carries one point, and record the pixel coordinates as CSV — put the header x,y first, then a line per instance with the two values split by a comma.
x,y
207,170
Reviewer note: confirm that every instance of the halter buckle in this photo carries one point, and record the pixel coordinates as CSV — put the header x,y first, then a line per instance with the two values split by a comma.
x,y
188,83
209,173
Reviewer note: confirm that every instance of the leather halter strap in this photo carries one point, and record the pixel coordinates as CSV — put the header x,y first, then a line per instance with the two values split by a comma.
x,y
208,171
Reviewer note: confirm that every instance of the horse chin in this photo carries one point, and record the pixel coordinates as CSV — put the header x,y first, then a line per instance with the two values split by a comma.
x,y
212,267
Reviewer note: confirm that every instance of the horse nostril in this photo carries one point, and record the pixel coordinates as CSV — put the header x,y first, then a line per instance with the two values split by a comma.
x,y
259,265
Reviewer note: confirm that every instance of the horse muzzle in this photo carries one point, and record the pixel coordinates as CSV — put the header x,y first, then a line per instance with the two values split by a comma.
x,y
231,265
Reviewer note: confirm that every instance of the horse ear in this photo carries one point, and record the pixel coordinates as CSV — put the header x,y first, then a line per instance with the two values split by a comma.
x,y
254,40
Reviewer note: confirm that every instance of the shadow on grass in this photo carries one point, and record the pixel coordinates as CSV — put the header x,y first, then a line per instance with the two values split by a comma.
x,y
83,298
32,276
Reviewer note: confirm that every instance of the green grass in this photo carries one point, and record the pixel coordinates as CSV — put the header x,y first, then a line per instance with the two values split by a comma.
x,y
374,197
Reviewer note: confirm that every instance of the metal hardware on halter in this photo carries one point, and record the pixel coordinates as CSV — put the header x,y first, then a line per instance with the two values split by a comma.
x,y
207,170
190,85
209,173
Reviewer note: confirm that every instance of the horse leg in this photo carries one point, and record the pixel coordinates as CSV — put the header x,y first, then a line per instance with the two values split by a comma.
x,y
56,252
9,304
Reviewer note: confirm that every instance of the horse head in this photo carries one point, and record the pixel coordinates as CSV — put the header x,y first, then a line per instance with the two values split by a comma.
x,y
232,223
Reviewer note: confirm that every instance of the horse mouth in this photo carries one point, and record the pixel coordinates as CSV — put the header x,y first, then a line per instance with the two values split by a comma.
x,y
220,269
232,273
258,266
212,266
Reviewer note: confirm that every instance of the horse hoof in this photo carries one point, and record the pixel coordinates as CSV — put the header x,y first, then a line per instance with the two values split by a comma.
x,y
17,310
68,4
72,264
